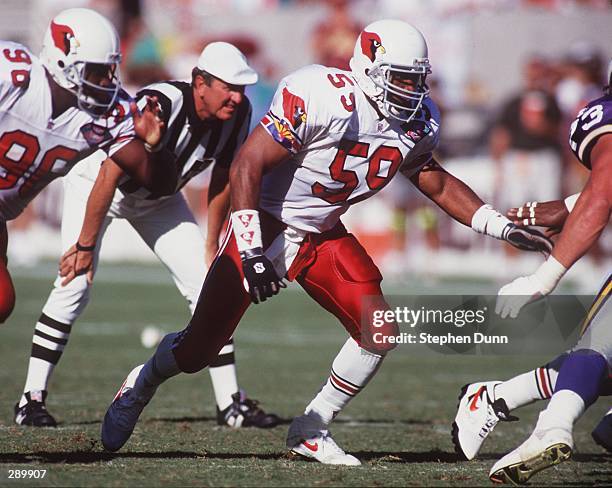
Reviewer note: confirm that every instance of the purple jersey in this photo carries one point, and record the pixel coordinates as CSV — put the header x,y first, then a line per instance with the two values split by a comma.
x,y
592,121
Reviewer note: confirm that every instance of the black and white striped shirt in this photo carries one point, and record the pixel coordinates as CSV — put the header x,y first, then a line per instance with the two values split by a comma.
x,y
196,143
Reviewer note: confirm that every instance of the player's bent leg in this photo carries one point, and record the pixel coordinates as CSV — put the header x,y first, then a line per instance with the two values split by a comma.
x,y
221,305
188,351
7,290
483,404
173,234
580,381
344,280
7,293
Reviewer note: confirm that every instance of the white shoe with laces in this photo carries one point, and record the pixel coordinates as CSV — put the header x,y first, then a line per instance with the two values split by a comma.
x,y
543,449
478,412
305,440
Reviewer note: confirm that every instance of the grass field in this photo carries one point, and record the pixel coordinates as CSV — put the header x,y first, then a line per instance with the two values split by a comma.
x,y
399,426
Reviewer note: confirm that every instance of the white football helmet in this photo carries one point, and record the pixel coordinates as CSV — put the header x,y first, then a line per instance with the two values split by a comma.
x,y
81,44
387,52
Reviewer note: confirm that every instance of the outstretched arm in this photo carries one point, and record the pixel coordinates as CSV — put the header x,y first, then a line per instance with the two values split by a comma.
x,y
79,258
452,195
460,202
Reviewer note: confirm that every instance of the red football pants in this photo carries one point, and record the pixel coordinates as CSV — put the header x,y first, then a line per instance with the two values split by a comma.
x,y
7,290
333,268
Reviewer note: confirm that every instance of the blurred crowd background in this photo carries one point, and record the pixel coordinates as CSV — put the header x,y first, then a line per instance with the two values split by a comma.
x,y
509,76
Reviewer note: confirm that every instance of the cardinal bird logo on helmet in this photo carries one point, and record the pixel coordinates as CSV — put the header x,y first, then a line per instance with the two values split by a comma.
x,y
63,38
371,45
294,108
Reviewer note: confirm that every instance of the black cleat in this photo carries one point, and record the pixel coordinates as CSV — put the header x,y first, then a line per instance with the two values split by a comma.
x,y
244,412
34,412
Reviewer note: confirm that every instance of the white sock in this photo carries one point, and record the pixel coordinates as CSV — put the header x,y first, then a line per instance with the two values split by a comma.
x,y
224,379
351,371
526,388
520,390
158,368
39,372
563,410
224,384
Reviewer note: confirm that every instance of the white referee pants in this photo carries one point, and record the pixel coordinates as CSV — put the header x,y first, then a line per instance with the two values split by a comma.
x,y
167,226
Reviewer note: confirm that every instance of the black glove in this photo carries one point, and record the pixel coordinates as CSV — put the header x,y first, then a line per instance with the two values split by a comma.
x,y
260,275
527,239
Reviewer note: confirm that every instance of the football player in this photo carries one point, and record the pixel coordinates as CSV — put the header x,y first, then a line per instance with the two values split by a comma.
x,y
578,377
54,108
496,399
331,139
206,122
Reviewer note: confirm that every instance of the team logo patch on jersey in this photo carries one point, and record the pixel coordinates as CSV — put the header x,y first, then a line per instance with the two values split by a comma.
x,y
284,130
371,45
294,109
63,38
95,134
281,131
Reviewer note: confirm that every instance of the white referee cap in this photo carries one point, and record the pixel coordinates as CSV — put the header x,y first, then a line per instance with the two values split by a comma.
x,y
225,61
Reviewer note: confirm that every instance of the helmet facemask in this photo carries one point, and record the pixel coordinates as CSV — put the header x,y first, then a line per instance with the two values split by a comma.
x,y
96,85
396,100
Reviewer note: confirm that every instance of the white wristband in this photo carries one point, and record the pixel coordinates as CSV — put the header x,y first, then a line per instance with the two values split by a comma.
x,y
549,274
246,229
487,220
571,201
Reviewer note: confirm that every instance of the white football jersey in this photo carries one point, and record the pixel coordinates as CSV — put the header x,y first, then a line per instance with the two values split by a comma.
x,y
35,148
343,150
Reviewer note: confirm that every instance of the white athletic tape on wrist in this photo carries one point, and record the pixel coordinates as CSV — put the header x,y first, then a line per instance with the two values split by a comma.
x,y
570,201
487,220
549,274
247,229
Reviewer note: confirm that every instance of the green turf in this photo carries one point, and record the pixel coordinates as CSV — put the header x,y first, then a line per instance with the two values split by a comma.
x,y
399,426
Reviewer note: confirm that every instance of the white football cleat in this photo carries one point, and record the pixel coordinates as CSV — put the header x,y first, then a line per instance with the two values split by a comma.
x,y
477,415
122,415
316,445
543,449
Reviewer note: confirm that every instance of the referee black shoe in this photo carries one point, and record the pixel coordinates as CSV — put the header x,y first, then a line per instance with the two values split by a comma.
x,y
34,412
245,412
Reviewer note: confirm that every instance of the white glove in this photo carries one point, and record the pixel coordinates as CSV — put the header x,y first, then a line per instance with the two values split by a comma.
x,y
526,289
514,296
